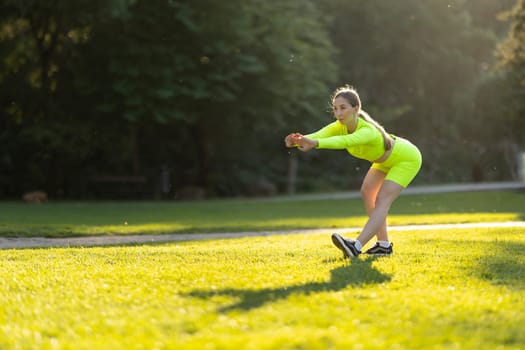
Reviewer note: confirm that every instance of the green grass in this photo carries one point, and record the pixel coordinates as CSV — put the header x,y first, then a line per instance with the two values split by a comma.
x,y
58,219
447,289
443,289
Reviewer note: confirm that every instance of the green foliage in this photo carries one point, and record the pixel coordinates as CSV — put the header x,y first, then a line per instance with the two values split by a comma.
x,y
208,89
205,77
512,60
46,136
414,68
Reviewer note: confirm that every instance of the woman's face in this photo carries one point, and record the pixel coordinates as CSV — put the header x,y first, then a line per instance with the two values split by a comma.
x,y
343,110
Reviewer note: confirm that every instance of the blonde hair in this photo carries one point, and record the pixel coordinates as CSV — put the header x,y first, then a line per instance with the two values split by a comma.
x,y
351,95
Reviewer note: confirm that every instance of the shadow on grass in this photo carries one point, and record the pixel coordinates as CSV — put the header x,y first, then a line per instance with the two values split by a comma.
x,y
498,262
505,265
358,273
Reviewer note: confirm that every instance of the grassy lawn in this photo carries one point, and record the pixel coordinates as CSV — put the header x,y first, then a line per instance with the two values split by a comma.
x,y
443,289
448,289
58,219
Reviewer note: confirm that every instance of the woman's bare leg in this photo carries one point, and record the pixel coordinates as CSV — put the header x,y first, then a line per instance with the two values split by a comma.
x,y
369,190
388,192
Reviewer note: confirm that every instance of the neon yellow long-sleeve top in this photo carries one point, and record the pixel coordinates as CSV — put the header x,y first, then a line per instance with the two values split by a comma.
x,y
366,142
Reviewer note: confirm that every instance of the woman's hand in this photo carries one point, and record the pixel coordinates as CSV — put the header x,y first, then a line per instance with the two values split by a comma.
x,y
292,140
302,142
305,144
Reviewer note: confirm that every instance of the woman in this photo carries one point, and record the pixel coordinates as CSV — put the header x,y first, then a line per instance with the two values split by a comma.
x,y
395,163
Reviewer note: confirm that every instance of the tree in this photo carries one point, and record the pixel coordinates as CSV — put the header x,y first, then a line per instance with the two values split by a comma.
x,y
174,83
512,61
213,74
416,68
512,64
208,89
39,40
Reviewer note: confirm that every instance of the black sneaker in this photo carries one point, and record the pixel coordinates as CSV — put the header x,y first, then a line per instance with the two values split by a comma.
x,y
379,250
346,245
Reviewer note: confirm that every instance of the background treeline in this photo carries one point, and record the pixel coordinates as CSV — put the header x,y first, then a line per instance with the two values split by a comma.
x,y
172,98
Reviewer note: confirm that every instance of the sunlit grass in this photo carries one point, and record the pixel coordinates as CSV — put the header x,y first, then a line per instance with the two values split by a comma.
x,y
59,230
120,218
458,288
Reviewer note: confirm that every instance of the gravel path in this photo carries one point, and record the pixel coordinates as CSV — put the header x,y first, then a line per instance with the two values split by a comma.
x,y
42,242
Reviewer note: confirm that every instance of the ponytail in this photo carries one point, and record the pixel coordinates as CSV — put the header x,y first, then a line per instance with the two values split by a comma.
x,y
387,139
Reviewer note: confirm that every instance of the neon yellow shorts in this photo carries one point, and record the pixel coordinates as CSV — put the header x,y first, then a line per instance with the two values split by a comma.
x,y
403,164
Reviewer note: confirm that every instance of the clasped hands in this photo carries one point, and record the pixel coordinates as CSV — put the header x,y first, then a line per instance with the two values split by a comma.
x,y
303,143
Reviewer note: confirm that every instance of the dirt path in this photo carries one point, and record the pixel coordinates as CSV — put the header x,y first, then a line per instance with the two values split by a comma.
x,y
42,242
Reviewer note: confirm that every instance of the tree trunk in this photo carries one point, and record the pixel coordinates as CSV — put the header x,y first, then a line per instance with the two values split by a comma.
x,y
134,148
204,153
293,166
511,154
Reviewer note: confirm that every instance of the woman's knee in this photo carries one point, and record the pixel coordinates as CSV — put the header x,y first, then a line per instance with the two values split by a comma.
x,y
372,183
368,190
388,193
